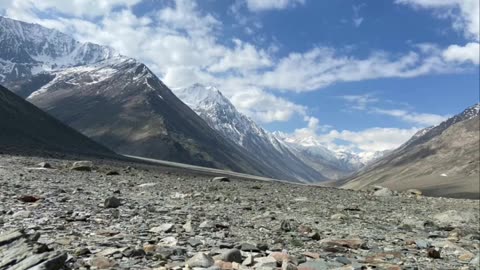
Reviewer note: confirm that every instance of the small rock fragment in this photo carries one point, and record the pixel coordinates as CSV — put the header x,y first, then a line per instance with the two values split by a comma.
x,y
422,244
44,165
101,262
82,251
433,253
112,202
248,261
413,191
338,216
112,173
165,228
382,192
221,179
84,166
285,226
28,198
249,247
188,226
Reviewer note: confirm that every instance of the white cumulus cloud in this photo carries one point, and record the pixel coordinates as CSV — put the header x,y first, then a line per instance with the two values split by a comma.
x,y
469,52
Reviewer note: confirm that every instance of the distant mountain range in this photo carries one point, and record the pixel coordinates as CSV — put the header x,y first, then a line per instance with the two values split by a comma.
x,y
119,103
210,104
442,160
113,99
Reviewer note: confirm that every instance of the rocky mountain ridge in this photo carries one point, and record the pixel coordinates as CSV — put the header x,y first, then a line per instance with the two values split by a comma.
x,y
443,160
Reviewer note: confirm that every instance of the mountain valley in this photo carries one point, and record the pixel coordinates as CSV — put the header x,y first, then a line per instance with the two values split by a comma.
x,y
107,163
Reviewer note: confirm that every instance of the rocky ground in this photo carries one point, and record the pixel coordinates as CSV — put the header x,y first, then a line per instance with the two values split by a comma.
x,y
137,216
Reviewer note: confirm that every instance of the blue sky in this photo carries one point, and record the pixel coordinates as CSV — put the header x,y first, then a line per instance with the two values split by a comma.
x,y
367,74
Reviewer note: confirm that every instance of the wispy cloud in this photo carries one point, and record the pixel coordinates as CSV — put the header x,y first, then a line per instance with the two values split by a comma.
x,y
371,104
360,102
357,19
263,5
422,119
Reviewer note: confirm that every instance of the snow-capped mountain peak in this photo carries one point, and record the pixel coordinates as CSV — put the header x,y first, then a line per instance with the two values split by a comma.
x,y
199,95
28,49
210,104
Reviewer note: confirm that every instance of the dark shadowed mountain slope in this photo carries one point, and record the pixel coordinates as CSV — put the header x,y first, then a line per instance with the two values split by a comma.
x,y
25,128
443,160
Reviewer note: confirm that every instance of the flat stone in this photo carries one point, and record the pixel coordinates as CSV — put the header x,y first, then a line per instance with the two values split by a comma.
x,y
265,262
349,243
164,228
11,236
422,244
22,214
338,216
249,247
343,260
102,263
200,260
28,198
313,265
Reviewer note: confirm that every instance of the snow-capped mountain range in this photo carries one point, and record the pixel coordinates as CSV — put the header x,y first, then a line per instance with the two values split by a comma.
x,y
220,114
29,49
276,148
113,99
120,103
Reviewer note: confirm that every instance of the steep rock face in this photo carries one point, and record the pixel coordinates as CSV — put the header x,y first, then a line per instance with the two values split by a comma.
x,y
113,99
210,104
442,160
25,128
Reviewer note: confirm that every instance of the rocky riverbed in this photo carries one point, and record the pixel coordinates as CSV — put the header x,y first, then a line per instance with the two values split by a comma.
x,y
117,215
